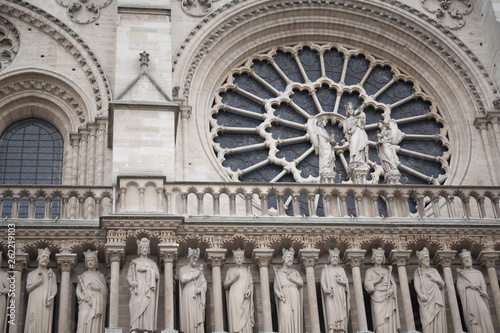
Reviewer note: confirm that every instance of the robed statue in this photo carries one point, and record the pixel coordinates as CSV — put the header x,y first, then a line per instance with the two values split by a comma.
x,y
92,293
193,289
335,294
42,289
239,286
381,286
143,278
288,291
430,294
472,290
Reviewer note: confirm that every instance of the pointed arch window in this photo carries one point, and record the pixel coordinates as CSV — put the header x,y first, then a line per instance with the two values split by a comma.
x,y
31,153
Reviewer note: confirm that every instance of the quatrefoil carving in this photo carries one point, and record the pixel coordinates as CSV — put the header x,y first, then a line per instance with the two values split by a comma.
x,y
451,13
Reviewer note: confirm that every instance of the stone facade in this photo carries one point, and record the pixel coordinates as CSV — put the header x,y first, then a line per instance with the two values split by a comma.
x,y
185,122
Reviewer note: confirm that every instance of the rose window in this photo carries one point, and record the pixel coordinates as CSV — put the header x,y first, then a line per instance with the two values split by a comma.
x,y
327,113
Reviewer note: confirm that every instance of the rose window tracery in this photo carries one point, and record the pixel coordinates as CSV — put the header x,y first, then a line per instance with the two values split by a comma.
x,y
284,113
9,43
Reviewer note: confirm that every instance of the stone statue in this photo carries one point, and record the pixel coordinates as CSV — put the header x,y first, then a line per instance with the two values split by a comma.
x,y
381,286
192,294
239,286
42,289
288,290
388,139
143,277
472,290
4,291
91,293
323,143
354,132
430,290
335,295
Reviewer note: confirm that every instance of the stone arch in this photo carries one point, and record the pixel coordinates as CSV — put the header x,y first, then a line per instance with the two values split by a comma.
x,y
377,29
46,95
99,86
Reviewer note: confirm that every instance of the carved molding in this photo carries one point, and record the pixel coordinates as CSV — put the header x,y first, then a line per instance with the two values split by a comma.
x,y
445,258
66,261
45,87
216,257
262,257
83,12
488,259
309,257
385,14
449,12
68,39
354,257
400,257
197,8
9,42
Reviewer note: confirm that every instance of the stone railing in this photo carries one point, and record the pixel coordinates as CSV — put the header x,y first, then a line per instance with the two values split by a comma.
x,y
55,202
332,201
256,200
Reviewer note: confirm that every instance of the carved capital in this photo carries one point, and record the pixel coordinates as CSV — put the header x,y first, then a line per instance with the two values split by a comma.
x,y
354,257
400,257
22,260
488,259
115,253
445,258
262,257
168,252
308,257
216,257
66,261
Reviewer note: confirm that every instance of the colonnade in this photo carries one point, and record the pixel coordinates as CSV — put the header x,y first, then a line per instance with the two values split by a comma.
x,y
263,259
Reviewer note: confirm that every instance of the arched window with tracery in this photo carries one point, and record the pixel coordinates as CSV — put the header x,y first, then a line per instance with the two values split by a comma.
x,y
31,153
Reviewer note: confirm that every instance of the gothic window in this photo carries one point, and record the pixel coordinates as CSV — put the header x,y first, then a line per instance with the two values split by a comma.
x,y
31,153
259,118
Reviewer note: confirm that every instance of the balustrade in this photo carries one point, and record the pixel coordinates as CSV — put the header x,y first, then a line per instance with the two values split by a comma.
x,y
233,200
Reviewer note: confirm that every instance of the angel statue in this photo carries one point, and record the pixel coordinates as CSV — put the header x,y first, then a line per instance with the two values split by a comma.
x,y
323,143
388,139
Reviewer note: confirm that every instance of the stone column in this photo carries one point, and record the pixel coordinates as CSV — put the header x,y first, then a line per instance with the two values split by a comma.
x,y
263,257
216,258
91,158
185,115
444,258
489,259
82,174
115,257
309,257
481,124
355,258
400,259
101,147
66,262
168,254
75,144
22,260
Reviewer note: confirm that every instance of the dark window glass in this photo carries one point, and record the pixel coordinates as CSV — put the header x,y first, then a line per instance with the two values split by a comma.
x,y
31,153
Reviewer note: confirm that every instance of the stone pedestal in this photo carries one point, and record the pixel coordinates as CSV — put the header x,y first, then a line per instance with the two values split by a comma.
x,y
358,172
